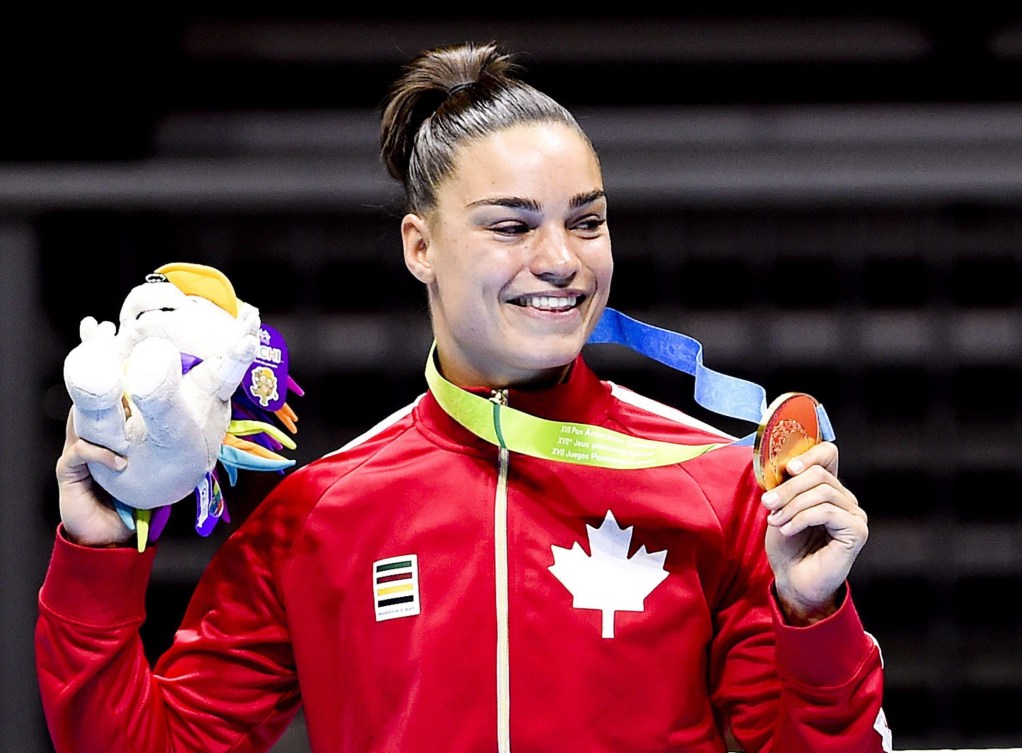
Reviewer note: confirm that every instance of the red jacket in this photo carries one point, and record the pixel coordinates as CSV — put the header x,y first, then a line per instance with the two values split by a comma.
x,y
413,598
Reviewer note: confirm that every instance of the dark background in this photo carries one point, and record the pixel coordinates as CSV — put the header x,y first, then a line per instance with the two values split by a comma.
x,y
827,197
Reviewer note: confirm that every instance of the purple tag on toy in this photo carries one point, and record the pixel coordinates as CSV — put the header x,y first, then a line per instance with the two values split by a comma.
x,y
158,522
188,361
209,503
266,380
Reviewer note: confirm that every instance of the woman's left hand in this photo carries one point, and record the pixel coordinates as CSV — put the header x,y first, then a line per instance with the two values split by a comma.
x,y
814,534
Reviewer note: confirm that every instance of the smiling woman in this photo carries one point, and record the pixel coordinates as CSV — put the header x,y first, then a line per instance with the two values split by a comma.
x,y
425,587
507,222
515,255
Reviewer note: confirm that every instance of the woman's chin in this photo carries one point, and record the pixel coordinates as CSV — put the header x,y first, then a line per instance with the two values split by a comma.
x,y
545,366
550,351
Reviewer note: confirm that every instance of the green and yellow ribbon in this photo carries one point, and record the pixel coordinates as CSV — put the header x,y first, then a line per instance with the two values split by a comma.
x,y
566,442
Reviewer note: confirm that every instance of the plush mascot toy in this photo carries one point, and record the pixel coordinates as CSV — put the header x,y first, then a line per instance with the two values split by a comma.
x,y
190,378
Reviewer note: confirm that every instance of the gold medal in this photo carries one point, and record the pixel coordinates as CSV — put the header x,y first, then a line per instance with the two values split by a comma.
x,y
790,427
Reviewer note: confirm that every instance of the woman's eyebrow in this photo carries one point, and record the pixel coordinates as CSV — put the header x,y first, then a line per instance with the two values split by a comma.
x,y
586,198
511,202
515,202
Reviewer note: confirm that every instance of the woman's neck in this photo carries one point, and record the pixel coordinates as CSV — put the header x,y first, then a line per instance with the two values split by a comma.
x,y
469,378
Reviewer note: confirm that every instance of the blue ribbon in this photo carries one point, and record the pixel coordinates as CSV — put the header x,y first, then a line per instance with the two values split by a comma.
x,y
717,392
233,459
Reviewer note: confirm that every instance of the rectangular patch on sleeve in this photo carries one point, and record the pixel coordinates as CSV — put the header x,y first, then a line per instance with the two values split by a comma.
x,y
396,587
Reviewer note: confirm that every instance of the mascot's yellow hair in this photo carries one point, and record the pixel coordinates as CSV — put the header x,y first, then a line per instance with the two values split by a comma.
x,y
205,282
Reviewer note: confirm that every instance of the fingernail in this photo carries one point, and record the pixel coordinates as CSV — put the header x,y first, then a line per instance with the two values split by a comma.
x,y
769,500
796,465
120,463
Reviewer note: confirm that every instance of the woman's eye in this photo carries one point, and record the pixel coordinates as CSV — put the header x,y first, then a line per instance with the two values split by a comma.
x,y
510,228
591,224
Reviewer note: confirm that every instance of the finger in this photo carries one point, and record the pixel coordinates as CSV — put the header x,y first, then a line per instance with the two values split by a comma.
x,y
80,451
72,465
70,434
828,491
809,478
811,499
824,454
842,526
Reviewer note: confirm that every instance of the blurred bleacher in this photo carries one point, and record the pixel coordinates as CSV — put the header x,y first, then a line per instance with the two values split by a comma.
x,y
830,201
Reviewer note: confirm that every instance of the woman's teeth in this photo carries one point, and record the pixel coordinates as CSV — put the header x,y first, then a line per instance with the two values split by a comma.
x,y
548,302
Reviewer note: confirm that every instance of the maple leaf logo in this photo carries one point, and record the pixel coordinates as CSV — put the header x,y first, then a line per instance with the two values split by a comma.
x,y
608,579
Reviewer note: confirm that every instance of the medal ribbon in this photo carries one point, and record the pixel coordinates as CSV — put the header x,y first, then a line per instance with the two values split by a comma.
x,y
720,393
586,444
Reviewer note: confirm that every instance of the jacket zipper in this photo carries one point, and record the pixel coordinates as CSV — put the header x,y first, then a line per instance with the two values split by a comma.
x,y
499,398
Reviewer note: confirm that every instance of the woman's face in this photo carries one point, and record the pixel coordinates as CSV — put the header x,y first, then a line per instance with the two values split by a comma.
x,y
516,256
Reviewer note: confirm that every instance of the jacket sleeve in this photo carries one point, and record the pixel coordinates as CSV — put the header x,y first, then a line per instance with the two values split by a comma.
x,y
227,683
785,689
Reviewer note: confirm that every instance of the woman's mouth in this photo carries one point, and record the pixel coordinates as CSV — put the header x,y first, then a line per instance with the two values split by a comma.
x,y
548,302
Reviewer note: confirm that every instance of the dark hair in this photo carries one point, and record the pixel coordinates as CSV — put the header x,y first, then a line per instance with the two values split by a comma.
x,y
446,97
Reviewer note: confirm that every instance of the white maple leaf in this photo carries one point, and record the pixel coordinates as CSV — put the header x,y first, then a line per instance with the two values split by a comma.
x,y
886,739
608,579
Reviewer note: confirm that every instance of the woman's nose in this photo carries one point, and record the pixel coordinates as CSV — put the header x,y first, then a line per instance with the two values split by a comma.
x,y
554,260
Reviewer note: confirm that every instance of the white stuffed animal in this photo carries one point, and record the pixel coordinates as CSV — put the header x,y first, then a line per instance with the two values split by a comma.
x,y
159,388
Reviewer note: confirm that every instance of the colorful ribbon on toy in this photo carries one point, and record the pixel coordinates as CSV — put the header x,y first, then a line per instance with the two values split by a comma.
x,y
250,443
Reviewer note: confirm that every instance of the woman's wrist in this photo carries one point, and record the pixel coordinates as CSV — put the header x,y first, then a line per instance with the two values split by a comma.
x,y
798,613
97,544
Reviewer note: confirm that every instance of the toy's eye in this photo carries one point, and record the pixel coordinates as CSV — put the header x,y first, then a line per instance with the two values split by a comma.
x,y
156,277
149,311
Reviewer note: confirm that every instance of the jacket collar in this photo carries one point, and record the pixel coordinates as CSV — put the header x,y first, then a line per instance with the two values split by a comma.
x,y
581,398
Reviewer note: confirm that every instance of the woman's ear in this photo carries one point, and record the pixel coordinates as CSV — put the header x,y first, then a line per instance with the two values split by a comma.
x,y
415,239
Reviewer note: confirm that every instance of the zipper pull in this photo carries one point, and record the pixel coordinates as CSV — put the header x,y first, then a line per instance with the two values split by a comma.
x,y
499,400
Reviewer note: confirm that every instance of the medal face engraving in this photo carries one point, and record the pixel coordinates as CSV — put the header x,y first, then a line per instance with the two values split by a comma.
x,y
790,427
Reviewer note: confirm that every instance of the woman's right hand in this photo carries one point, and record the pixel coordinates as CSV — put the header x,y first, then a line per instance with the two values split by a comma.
x,y
86,510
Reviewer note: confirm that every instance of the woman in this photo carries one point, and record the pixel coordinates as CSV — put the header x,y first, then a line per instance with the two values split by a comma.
x,y
427,589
